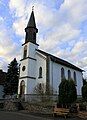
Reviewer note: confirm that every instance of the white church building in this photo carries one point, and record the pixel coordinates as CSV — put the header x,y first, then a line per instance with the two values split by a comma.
x,y
39,67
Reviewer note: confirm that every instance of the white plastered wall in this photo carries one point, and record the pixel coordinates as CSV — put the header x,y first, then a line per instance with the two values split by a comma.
x,y
41,62
55,76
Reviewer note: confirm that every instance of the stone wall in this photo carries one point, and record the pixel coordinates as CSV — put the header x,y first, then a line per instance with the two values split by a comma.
x,y
43,108
10,105
36,108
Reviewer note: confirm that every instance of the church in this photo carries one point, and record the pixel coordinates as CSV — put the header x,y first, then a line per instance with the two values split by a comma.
x,y
40,67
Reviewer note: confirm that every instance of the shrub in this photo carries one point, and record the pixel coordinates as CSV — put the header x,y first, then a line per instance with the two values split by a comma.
x,y
67,92
84,92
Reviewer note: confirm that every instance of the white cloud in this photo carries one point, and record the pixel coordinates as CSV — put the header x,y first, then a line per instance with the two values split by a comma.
x,y
1,19
77,55
83,62
80,47
17,7
3,64
19,26
48,18
58,36
75,11
40,13
9,49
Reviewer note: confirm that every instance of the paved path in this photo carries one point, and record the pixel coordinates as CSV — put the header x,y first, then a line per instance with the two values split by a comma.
x,y
21,116
18,116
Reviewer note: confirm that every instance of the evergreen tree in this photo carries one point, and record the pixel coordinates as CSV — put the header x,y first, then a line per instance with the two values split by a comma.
x,y
84,92
11,84
67,92
84,82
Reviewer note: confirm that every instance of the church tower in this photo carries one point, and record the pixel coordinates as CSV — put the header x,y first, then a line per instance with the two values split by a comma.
x,y
28,62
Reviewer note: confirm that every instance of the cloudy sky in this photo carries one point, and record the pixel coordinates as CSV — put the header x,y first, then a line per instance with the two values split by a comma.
x,y
62,26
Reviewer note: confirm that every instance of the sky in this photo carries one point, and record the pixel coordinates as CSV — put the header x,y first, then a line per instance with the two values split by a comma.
x,y
62,29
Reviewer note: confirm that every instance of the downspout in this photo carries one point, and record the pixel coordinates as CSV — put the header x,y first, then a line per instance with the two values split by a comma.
x,y
52,76
48,75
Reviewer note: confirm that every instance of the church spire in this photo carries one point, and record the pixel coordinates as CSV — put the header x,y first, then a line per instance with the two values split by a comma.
x,y
31,29
31,22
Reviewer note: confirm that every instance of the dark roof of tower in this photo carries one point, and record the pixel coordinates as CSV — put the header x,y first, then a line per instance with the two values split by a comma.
x,y
60,61
31,22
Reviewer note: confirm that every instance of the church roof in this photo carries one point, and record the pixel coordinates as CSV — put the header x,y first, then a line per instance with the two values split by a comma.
x,y
60,61
31,22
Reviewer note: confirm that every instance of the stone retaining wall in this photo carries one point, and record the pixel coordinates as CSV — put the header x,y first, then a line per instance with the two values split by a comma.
x,y
35,108
10,105
29,107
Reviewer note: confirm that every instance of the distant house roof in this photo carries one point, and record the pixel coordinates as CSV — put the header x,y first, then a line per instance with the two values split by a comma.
x,y
60,61
2,77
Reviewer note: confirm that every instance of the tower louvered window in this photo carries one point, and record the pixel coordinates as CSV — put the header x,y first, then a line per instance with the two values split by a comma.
x,y
25,52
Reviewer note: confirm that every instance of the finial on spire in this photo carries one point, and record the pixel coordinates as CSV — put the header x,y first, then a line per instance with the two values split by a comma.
x,y
32,8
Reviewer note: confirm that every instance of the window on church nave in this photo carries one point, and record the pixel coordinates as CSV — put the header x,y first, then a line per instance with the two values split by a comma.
x,y
25,52
69,74
40,72
74,76
62,73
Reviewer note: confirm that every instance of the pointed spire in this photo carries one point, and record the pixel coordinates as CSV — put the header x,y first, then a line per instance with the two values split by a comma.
x,y
31,22
31,29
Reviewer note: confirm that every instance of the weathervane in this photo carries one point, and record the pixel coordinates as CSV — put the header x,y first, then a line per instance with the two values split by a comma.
x,y
32,8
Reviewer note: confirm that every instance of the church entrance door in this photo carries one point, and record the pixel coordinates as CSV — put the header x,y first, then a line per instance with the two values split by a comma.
x,y
22,88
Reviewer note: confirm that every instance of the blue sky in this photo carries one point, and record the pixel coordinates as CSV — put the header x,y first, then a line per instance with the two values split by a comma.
x,y
62,26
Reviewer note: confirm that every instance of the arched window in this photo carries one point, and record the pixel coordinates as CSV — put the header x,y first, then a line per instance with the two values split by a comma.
x,y
25,52
62,73
22,88
40,72
69,74
74,76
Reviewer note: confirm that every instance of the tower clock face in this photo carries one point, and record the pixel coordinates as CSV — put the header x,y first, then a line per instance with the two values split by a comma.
x,y
23,68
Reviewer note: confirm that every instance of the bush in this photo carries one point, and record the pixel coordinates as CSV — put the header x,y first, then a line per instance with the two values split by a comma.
x,y
82,107
73,108
84,92
67,92
1,105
